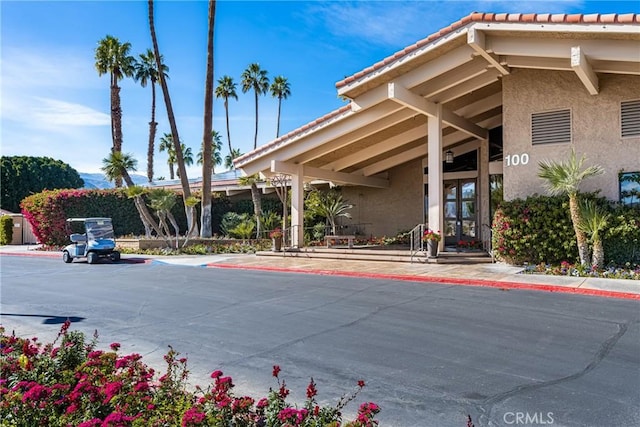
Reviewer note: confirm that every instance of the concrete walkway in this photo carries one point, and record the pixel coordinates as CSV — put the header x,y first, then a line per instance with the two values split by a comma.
x,y
491,275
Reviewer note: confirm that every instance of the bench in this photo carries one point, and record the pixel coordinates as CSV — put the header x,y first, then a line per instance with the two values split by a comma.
x,y
348,238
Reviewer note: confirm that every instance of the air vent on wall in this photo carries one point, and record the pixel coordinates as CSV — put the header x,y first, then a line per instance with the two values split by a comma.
x,y
630,118
551,127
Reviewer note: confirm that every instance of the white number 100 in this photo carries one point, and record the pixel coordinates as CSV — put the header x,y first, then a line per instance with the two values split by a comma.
x,y
517,159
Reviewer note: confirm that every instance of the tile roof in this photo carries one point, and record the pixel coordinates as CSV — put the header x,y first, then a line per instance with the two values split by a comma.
x,y
596,18
561,18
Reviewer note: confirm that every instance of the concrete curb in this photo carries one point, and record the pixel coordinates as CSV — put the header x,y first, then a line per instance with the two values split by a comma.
x,y
503,285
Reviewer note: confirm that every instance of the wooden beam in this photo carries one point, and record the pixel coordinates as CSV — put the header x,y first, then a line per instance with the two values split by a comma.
x,y
584,71
377,149
337,177
476,39
422,106
604,50
402,96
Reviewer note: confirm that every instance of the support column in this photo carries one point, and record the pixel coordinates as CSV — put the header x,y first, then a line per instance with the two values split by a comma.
x,y
484,192
434,152
297,208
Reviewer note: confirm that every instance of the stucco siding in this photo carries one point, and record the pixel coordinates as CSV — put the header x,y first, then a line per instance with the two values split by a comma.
x,y
595,127
385,212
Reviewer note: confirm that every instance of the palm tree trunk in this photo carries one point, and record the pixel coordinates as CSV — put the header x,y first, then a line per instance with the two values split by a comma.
x,y
226,110
257,206
278,122
207,138
116,122
143,211
184,180
598,254
172,174
255,138
152,133
581,237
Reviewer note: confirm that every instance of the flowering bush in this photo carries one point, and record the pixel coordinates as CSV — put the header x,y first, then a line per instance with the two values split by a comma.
x,y
565,268
276,233
469,244
71,383
430,236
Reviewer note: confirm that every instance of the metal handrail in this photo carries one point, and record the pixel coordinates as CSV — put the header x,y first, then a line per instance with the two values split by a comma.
x,y
416,245
487,241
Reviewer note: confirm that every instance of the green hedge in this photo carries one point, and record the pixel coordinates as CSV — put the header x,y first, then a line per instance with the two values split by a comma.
x,y
47,212
539,230
6,229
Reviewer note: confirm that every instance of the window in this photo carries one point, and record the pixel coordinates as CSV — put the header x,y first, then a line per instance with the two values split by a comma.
x,y
630,188
630,118
551,127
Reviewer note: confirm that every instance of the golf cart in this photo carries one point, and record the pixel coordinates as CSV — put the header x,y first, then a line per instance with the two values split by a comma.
x,y
95,242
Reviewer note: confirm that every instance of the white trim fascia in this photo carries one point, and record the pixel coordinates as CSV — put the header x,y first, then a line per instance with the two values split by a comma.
x,y
557,27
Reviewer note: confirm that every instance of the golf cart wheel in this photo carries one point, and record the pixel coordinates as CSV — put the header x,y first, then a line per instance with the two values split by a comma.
x,y
115,256
66,257
92,258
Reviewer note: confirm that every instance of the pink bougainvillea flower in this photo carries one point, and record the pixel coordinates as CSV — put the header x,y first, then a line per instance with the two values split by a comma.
x,y
276,370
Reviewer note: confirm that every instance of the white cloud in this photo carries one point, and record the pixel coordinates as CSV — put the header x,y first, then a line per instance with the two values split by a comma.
x,y
31,69
53,113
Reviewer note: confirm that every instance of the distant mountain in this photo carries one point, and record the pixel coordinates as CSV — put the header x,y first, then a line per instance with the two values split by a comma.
x,y
99,181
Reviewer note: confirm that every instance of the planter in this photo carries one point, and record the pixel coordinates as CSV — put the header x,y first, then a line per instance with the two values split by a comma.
x,y
432,249
277,244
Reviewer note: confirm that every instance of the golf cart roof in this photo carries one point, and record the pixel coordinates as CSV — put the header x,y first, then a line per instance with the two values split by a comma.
x,y
87,219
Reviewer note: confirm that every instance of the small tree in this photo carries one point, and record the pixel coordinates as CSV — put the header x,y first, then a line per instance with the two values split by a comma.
x,y
593,222
565,178
332,206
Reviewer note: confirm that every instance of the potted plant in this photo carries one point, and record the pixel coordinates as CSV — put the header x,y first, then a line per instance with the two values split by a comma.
x,y
431,238
276,238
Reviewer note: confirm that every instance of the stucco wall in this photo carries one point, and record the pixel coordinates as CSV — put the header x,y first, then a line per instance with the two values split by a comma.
x,y
595,127
385,212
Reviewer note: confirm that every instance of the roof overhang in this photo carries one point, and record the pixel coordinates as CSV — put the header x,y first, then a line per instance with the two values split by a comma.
x,y
459,68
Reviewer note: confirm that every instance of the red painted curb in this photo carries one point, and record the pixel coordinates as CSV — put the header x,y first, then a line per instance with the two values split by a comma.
x,y
443,280
46,254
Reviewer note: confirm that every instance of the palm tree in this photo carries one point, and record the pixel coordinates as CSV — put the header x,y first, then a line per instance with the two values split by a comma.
x,y
226,89
146,71
216,157
112,57
333,206
166,144
253,180
594,221
184,180
280,89
255,78
207,136
119,165
228,159
564,178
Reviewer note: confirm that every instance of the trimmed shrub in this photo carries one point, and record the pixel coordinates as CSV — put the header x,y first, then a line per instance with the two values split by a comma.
x,y
535,230
6,229
539,230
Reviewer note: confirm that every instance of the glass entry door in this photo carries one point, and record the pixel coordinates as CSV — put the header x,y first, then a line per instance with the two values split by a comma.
x,y
460,211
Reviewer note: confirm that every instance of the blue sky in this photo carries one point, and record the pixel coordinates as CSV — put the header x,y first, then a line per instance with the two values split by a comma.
x,y
54,104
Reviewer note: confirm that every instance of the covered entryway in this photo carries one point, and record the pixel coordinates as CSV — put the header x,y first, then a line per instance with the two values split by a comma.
x,y
460,211
441,96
